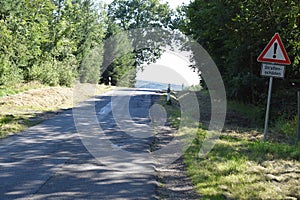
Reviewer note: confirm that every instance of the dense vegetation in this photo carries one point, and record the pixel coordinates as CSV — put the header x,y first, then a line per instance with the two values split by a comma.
x,y
47,40
57,41
235,32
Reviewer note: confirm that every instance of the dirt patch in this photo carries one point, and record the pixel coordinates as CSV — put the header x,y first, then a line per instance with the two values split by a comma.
x,y
174,183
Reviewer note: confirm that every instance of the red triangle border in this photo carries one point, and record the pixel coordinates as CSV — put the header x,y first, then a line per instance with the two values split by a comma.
x,y
269,45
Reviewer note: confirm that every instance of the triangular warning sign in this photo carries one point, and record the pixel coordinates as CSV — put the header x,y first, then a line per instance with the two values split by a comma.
x,y
274,52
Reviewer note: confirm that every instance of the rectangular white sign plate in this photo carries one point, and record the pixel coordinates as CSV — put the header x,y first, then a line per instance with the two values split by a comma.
x,y
271,70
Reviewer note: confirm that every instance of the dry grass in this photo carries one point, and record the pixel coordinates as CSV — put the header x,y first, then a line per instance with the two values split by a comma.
x,y
37,100
28,108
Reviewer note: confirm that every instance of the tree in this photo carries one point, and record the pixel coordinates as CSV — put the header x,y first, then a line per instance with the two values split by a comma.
x,y
47,40
135,15
119,59
235,32
24,24
89,34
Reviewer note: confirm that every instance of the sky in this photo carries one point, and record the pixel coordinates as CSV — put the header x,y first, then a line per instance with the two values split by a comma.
x,y
171,67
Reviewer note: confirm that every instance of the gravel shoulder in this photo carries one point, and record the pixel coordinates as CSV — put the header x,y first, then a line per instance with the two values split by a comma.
x,y
173,181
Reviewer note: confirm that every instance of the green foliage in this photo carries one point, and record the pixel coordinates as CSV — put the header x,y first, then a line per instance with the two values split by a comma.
x,y
241,165
286,126
119,60
45,73
235,32
47,40
124,71
131,15
90,67
254,113
54,41
134,14
17,88
193,88
9,73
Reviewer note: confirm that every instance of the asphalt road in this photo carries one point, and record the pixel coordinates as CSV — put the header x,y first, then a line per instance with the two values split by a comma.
x,y
63,159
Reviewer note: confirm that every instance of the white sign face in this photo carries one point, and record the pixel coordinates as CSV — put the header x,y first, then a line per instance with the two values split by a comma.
x,y
272,70
275,52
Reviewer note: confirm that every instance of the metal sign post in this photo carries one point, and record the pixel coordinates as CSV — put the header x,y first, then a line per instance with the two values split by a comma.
x,y
273,55
268,109
298,138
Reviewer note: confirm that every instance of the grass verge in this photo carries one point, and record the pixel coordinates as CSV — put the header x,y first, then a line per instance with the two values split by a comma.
x,y
254,113
32,105
241,166
282,128
241,169
18,88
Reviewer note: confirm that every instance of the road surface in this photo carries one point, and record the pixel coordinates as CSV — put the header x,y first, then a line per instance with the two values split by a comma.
x,y
54,161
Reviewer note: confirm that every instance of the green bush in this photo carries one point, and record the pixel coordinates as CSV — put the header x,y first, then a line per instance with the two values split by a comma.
x,y
67,72
9,73
45,72
54,73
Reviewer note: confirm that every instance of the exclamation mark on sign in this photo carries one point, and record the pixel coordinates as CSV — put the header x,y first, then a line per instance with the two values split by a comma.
x,y
275,49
